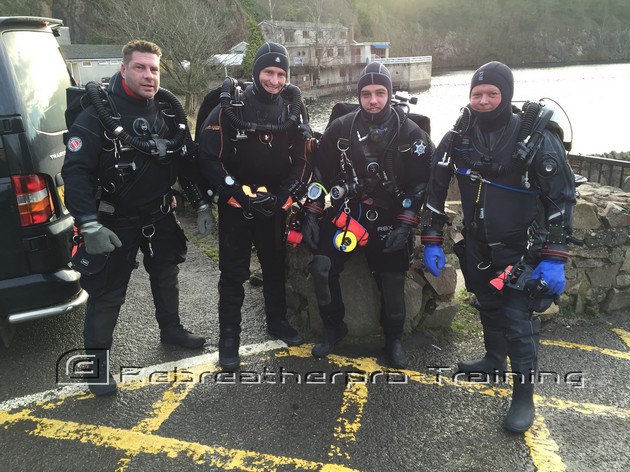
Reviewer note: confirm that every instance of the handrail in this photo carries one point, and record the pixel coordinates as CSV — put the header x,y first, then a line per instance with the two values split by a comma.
x,y
612,172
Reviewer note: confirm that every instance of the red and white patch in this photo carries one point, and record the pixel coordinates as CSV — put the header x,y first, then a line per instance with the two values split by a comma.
x,y
74,144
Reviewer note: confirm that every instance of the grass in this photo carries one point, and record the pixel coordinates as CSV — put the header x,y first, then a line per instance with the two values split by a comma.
x,y
466,323
208,245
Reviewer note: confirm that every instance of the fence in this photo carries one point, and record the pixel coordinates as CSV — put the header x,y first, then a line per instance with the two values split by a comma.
x,y
613,172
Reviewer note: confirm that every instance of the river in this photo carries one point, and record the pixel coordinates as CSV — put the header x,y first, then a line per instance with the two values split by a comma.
x,y
593,96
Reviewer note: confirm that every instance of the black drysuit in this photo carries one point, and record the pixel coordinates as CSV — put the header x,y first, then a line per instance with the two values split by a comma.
x,y
136,206
391,161
504,221
269,159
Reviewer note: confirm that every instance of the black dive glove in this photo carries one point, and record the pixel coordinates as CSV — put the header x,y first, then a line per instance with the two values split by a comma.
x,y
398,238
288,193
263,205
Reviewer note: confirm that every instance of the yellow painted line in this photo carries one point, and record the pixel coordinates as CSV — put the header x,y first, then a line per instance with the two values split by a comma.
x,y
165,406
349,421
134,443
624,335
542,448
583,408
584,347
369,365
171,399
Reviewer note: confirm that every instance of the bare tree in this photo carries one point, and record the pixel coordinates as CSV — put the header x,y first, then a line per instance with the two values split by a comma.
x,y
188,31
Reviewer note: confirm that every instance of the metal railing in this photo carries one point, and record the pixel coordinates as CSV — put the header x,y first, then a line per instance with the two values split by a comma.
x,y
404,60
613,172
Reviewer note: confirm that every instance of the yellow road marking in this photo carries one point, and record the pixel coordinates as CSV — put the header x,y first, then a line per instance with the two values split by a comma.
x,y
584,347
624,335
164,407
134,442
349,421
543,449
141,440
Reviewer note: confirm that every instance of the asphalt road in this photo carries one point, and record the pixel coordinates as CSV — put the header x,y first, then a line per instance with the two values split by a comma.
x,y
287,411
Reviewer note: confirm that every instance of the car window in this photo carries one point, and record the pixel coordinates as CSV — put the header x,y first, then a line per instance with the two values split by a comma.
x,y
41,76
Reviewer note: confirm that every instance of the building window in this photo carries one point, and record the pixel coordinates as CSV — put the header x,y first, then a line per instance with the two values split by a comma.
x,y
330,52
341,52
289,36
306,34
343,35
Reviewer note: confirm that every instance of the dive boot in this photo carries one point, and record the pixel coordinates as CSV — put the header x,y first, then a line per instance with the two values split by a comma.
x,y
396,353
331,337
520,416
281,329
103,383
228,351
495,359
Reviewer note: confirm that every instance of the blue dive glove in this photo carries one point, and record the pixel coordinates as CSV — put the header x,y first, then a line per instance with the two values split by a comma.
x,y
434,259
552,272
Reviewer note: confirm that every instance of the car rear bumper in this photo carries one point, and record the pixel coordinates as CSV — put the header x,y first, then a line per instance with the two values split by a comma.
x,y
41,295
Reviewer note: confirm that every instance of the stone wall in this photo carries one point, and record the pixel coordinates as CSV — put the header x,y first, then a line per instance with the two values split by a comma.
x,y
598,272
429,300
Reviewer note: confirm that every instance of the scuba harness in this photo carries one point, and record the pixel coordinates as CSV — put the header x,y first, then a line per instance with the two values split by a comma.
x,y
79,98
232,97
535,118
377,160
349,184
123,143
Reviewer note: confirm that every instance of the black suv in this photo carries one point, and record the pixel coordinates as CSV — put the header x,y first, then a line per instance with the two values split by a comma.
x,y
35,227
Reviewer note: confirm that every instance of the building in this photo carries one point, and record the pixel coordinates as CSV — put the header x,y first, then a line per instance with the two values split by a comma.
x,y
89,62
92,62
326,56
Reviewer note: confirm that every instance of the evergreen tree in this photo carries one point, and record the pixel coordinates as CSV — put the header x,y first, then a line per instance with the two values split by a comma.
x,y
255,39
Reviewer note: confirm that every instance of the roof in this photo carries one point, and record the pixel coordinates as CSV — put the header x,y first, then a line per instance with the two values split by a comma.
x,y
91,51
228,59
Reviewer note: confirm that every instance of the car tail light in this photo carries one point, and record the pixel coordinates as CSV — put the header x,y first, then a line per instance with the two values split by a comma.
x,y
33,198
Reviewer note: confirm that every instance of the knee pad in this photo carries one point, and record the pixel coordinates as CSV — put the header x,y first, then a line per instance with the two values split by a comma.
x,y
319,268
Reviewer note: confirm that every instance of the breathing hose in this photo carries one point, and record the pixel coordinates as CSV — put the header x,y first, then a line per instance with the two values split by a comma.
x,y
295,110
146,146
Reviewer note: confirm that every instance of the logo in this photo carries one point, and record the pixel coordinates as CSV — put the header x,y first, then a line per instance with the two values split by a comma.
x,y
480,78
79,366
278,59
74,144
420,147
141,126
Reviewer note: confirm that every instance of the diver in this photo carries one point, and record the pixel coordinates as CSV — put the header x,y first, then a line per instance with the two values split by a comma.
x,y
374,163
517,194
122,158
253,154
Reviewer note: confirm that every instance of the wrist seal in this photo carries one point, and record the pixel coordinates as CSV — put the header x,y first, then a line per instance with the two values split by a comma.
x,y
432,236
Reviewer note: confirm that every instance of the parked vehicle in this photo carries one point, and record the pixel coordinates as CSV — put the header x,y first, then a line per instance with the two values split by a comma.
x,y
36,228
